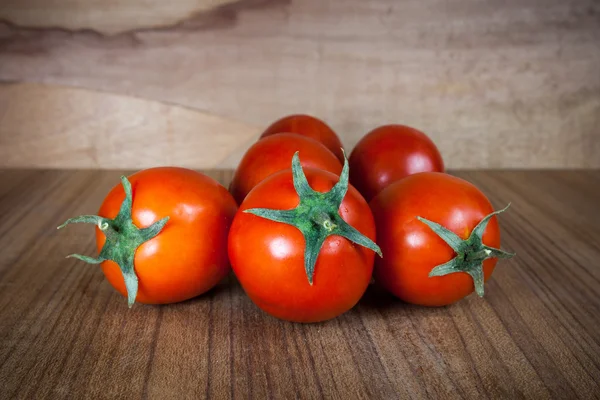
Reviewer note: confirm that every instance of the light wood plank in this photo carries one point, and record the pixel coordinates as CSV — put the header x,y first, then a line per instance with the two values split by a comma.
x,y
49,126
497,84
106,16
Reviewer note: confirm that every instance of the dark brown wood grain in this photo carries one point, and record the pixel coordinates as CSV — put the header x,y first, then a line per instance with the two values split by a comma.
x,y
65,333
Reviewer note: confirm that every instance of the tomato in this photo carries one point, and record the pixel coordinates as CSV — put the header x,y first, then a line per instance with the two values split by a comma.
x,y
389,153
273,154
301,264
413,247
184,256
308,126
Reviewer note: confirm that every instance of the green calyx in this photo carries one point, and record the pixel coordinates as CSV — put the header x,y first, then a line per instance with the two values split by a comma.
x,y
470,253
122,240
317,216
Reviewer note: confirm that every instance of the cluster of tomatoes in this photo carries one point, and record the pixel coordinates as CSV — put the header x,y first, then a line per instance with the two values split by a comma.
x,y
303,243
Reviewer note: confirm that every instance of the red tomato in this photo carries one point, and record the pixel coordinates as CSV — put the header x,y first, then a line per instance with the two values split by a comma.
x,y
308,126
189,255
389,153
268,257
273,154
411,248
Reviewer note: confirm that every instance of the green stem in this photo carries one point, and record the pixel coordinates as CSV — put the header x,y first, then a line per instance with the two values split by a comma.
x,y
470,253
122,239
477,255
323,220
316,216
110,233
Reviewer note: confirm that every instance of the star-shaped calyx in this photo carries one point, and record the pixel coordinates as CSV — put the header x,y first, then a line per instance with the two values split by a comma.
x,y
470,253
316,216
122,240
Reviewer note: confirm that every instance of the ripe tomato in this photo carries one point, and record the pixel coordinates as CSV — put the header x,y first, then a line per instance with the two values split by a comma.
x,y
413,249
308,126
389,153
176,259
279,261
273,154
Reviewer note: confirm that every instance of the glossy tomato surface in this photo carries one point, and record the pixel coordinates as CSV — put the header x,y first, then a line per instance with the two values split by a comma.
x,y
308,126
189,256
273,154
268,257
389,153
411,249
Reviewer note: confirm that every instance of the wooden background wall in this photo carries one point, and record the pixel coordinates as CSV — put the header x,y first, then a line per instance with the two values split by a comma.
x,y
129,84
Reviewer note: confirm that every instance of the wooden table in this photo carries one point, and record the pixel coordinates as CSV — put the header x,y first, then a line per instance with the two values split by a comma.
x,y
65,333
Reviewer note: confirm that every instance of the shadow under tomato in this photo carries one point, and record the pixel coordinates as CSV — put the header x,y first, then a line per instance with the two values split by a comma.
x,y
376,297
226,285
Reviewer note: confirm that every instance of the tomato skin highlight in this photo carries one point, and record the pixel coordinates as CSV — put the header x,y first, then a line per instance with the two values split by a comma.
x,y
308,126
389,153
273,154
411,249
268,257
189,256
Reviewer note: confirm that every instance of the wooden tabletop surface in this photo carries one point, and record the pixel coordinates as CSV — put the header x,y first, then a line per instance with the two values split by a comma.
x,y
65,333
